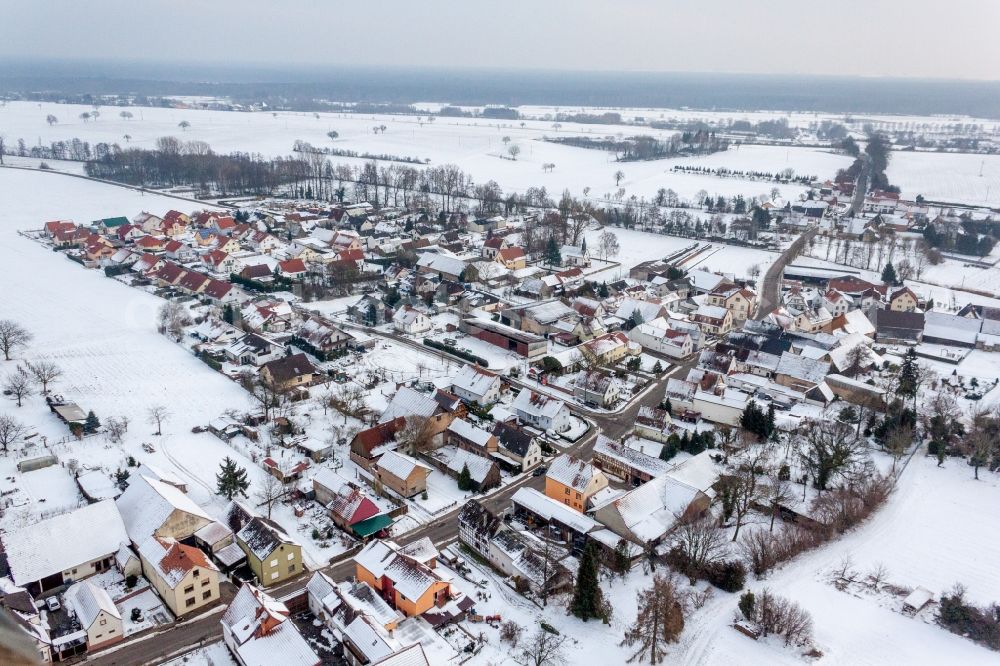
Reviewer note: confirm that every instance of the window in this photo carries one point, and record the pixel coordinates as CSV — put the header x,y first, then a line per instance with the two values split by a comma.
x,y
567,491
274,562
566,502
189,589
189,602
111,631
103,622
578,495
206,594
291,556
205,582
197,572
274,575
291,568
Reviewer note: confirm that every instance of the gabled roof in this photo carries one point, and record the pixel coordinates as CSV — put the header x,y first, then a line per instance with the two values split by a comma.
x,y
173,560
262,536
58,544
572,472
380,434
530,402
479,467
147,503
409,402
474,380
89,601
514,439
289,367
262,633
630,457
399,465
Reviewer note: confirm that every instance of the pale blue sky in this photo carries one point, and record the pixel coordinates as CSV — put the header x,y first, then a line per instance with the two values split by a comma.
x,y
908,38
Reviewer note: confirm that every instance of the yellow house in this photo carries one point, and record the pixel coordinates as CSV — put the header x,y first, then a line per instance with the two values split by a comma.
x,y
903,300
271,554
739,300
573,482
511,258
404,576
288,372
609,348
184,578
96,614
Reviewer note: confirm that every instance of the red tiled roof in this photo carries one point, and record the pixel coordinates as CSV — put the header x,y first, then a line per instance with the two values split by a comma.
x,y
292,266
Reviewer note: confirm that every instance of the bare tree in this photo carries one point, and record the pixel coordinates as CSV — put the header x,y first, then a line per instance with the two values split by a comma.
x,y
514,150
11,430
619,177
659,622
607,244
51,120
12,336
828,447
742,487
776,492
265,393
44,372
269,492
18,385
417,435
541,649
701,542
184,125
157,415
173,318
115,429
898,441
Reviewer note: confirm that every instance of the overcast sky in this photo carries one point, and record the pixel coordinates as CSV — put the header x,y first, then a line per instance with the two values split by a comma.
x,y
906,38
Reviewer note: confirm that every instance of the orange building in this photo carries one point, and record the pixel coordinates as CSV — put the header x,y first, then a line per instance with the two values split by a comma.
x,y
573,482
404,576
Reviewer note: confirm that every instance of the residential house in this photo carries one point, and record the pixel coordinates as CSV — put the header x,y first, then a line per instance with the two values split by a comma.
x,y
575,256
713,319
293,269
289,372
402,474
518,450
597,387
903,300
409,582
573,482
411,321
182,576
272,555
537,509
253,349
490,248
323,337
257,630
740,301
464,435
660,337
653,423
541,411
151,507
609,348
475,385
629,464
96,613
800,372
443,266
511,258
408,402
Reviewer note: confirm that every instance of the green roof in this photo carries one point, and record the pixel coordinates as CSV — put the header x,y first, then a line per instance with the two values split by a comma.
x,y
372,525
113,221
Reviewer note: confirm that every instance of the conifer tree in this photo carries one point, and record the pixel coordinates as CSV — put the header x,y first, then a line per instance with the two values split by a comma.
x,y
465,479
889,274
231,479
588,601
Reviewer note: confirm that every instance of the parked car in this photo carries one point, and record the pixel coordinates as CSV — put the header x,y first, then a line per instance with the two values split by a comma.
x,y
540,470
52,603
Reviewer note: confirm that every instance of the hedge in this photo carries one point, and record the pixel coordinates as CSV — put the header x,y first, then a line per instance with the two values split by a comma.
x,y
471,358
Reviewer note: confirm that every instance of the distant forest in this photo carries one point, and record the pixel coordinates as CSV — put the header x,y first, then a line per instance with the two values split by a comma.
x,y
307,88
635,148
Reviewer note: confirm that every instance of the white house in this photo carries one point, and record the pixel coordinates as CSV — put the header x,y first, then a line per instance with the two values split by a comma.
x,y
96,613
660,337
541,411
256,629
411,321
473,384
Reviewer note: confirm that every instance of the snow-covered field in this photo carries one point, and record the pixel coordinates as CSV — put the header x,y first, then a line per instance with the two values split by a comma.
x,y
947,177
473,144
932,532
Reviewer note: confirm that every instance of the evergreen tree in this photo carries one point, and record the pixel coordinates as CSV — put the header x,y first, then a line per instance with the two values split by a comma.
x,y
583,246
552,255
602,290
889,274
92,423
668,450
588,601
657,368
908,374
231,479
770,427
669,407
465,479
121,478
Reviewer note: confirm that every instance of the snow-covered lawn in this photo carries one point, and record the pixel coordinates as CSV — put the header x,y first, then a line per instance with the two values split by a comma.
x,y
948,177
639,246
216,654
473,144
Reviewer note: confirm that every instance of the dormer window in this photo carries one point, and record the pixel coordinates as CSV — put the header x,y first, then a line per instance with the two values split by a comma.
x,y
197,572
